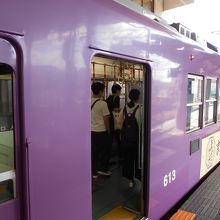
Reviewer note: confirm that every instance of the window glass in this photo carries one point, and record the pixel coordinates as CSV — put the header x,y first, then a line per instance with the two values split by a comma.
x,y
182,31
218,102
211,101
211,89
7,167
6,190
209,112
6,122
194,102
187,33
194,90
219,109
193,115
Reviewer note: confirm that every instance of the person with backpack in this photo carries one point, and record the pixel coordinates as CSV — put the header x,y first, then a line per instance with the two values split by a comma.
x,y
100,131
130,133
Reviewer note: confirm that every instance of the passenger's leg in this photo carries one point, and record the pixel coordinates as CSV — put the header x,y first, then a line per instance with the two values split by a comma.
x,y
111,142
111,138
128,164
137,170
117,137
105,151
95,153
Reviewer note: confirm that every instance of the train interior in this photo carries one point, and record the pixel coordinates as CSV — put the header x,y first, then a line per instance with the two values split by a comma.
x,y
7,166
113,193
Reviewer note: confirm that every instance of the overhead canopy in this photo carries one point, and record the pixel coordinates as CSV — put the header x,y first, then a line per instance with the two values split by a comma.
x,y
159,6
169,4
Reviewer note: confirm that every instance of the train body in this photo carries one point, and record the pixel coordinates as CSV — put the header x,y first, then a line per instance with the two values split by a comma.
x,y
49,46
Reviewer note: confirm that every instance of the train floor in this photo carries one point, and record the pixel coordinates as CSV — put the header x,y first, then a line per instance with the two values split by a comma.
x,y
113,192
205,201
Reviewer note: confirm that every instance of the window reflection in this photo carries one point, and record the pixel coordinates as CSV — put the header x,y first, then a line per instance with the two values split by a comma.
x,y
219,108
7,167
211,101
211,89
209,112
5,103
194,90
6,190
194,102
192,117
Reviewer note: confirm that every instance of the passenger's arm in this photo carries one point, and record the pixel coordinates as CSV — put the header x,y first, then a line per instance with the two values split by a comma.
x,y
106,115
106,122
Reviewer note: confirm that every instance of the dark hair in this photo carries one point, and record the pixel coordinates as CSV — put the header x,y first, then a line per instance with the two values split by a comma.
x,y
116,88
97,87
134,95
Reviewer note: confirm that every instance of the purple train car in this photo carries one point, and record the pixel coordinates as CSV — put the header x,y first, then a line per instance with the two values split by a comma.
x,y
50,52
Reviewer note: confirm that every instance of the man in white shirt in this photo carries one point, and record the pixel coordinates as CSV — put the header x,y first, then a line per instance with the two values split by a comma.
x,y
99,132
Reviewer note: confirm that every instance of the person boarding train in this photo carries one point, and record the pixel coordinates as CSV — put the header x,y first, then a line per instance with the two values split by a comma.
x,y
100,131
130,137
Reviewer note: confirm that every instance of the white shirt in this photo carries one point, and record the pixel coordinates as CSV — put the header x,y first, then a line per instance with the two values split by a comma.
x,y
99,110
118,119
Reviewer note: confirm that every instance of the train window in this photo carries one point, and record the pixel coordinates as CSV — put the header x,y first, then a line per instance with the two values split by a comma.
x,y
218,99
194,102
182,30
210,101
188,33
5,103
7,167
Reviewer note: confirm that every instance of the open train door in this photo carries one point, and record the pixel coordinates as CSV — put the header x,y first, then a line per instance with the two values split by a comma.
x,y
113,196
10,148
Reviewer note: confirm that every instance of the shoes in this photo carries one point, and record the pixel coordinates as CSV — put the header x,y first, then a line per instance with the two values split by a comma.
x,y
106,173
131,184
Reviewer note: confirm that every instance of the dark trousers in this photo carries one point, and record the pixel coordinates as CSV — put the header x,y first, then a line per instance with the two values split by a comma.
x,y
130,163
100,151
117,134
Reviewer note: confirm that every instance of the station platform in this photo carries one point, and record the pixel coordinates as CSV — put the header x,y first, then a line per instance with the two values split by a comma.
x,y
112,200
204,203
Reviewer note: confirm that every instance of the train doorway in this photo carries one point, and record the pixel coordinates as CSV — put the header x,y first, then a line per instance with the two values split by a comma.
x,y
113,193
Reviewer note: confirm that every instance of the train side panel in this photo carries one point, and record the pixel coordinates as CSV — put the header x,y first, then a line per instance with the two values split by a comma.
x,y
57,43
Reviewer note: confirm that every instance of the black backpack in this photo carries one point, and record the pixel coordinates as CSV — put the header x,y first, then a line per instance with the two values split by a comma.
x,y
130,129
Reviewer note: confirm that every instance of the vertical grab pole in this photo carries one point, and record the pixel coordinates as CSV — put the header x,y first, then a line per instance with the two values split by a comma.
x,y
105,81
133,73
104,72
139,75
121,71
114,74
93,72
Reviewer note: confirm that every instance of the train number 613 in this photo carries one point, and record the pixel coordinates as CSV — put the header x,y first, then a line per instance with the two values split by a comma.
x,y
169,178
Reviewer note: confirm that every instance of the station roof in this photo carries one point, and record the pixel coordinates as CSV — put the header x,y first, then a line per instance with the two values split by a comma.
x,y
202,17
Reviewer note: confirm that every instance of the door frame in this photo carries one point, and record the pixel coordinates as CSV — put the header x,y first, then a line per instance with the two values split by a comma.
x,y
145,192
20,154
146,139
